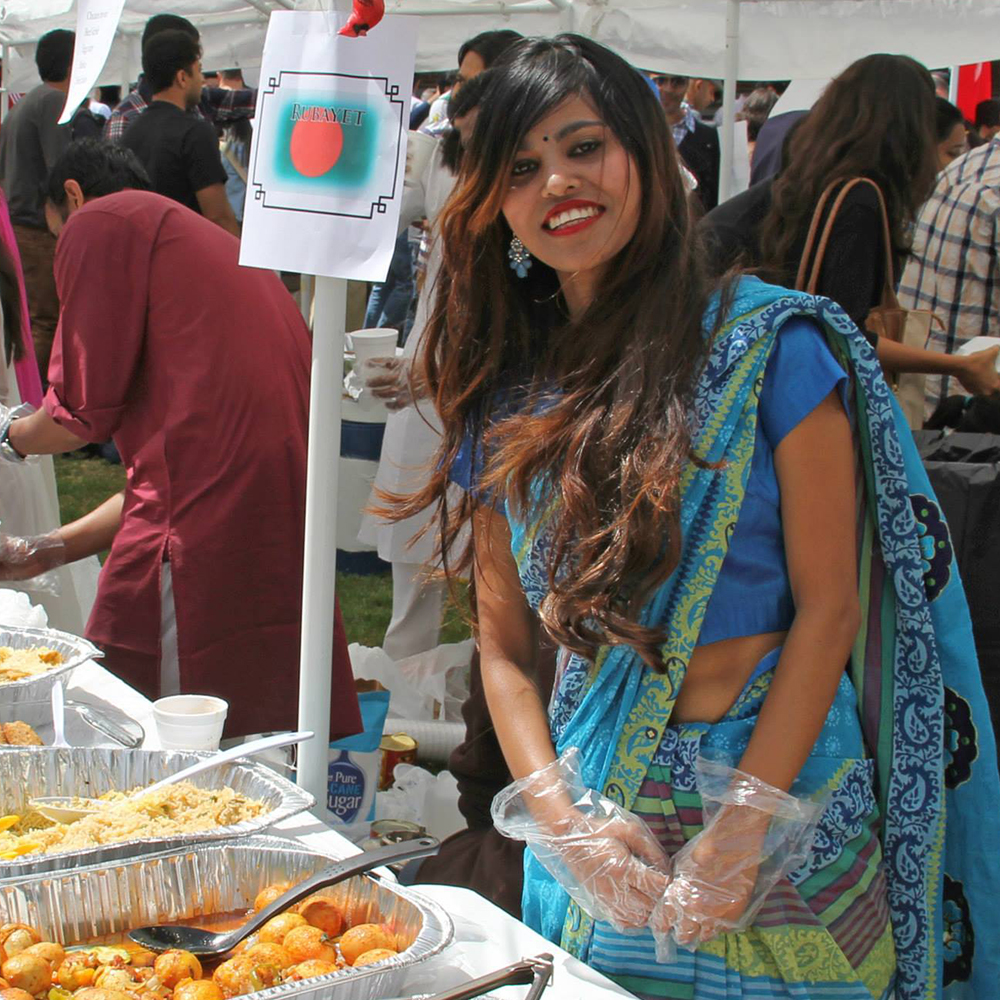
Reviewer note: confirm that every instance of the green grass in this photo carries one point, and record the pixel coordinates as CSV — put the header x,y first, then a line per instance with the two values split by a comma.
x,y
365,601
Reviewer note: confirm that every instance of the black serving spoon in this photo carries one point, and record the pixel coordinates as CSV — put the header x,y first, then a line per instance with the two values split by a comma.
x,y
209,944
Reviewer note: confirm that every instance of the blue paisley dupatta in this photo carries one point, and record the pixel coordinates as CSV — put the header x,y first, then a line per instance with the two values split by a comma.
x,y
914,670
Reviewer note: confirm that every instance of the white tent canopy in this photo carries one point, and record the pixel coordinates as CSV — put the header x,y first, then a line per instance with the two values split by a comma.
x,y
777,39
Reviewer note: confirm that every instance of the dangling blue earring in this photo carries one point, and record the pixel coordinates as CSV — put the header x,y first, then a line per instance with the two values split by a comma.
x,y
520,259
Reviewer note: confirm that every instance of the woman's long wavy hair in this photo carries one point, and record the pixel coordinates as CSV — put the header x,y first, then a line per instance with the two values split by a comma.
x,y
876,120
603,400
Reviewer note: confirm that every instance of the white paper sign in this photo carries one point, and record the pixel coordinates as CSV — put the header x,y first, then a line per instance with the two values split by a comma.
x,y
96,24
326,173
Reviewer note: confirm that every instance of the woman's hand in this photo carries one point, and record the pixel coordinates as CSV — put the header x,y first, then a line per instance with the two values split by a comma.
x,y
755,834
601,854
618,869
978,373
713,878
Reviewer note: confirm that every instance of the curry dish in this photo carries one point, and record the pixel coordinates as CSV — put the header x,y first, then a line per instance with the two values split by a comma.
x,y
312,939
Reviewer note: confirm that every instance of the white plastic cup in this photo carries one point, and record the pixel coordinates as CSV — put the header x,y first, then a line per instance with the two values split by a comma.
x,y
368,344
419,149
190,721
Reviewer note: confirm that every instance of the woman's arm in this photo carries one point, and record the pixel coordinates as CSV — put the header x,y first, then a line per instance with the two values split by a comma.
x,y
508,640
976,372
815,469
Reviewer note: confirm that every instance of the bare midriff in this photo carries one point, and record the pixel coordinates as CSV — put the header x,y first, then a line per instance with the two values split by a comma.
x,y
717,673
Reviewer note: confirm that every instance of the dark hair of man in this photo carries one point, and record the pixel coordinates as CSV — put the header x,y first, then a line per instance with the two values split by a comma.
x,y
613,441
10,301
756,109
54,55
489,45
99,168
875,120
165,55
466,100
110,94
988,113
946,117
168,22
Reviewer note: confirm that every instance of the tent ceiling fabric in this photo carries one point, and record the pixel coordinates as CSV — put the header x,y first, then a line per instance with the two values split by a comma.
x,y
779,39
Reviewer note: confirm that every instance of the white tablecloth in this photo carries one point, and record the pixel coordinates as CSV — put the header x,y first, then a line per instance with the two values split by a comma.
x,y
486,937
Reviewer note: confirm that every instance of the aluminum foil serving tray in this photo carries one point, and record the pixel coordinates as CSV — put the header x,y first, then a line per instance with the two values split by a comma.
x,y
75,652
89,771
109,899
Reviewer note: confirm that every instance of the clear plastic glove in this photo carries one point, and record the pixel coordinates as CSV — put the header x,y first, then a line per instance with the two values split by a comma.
x,y
24,558
754,835
7,417
602,855
979,374
388,379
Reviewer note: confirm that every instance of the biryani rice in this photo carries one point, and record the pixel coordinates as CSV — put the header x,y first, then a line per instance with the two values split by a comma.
x,y
177,809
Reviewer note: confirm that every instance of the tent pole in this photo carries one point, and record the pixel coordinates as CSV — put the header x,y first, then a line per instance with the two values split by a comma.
x,y
4,100
320,563
726,137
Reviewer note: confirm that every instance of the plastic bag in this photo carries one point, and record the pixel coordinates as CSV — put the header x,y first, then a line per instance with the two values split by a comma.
x,y
754,835
426,686
601,854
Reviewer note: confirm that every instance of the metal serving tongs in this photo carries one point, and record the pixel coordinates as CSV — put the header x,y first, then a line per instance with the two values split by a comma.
x,y
535,971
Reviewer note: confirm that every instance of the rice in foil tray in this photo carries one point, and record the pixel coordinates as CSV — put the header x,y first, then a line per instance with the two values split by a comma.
x,y
173,811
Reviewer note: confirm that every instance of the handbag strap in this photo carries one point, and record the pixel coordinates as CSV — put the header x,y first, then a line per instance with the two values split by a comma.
x,y
888,292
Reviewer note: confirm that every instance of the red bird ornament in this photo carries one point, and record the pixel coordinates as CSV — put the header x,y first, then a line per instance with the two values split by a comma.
x,y
365,15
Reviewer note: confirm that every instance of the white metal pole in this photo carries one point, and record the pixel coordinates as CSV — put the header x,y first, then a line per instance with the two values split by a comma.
x,y
4,100
729,97
953,84
320,565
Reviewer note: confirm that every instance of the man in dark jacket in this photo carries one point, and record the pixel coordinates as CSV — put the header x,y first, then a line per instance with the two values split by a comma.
x,y
697,143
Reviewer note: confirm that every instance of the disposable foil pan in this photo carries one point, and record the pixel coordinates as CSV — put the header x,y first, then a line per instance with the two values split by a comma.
x,y
102,900
75,652
91,771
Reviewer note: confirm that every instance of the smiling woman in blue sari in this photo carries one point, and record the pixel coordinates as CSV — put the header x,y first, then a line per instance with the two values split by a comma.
x,y
707,499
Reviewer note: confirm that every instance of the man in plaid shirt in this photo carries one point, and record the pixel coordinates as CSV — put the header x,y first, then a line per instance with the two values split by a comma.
x,y
218,105
953,269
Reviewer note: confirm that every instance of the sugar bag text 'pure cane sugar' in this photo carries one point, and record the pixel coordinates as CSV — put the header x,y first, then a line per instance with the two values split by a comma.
x,y
353,770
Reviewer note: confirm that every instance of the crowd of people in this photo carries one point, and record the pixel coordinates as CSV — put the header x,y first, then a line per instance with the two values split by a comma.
x,y
725,687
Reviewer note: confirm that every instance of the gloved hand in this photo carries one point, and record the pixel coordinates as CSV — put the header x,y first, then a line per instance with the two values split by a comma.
x,y
979,373
7,416
23,558
602,855
388,379
754,835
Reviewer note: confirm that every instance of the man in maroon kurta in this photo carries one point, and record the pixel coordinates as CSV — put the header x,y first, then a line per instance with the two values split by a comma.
x,y
199,371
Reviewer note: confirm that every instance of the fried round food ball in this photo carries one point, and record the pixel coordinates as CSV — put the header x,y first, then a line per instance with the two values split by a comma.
x,y
108,977
322,912
305,943
268,953
76,971
174,965
373,956
269,894
12,993
49,950
309,970
364,937
30,973
197,989
94,993
16,937
274,931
